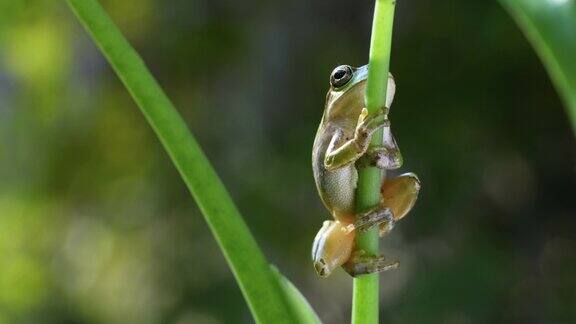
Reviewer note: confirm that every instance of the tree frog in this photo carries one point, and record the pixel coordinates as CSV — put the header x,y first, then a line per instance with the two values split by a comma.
x,y
340,147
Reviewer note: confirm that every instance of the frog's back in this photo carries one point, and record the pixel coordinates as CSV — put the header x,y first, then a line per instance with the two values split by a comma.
x,y
344,103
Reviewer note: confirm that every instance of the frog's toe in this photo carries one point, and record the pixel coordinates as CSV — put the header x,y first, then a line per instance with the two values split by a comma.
x,y
321,268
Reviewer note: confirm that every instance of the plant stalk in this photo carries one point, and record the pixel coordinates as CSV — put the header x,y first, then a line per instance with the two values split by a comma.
x,y
365,299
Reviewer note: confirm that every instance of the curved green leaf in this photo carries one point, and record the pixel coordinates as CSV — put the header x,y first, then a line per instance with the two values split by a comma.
x,y
304,312
550,26
262,290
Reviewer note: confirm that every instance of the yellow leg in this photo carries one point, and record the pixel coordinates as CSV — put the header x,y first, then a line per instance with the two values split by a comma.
x,y
399,194
332,246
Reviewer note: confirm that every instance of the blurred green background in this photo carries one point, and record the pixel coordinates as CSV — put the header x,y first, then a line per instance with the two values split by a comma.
x,y
97,227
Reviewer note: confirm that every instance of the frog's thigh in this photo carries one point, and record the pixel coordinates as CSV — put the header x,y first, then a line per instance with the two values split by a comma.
x,y
332,246
400,193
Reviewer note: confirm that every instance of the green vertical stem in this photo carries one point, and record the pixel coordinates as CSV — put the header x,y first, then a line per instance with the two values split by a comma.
x,y
365,299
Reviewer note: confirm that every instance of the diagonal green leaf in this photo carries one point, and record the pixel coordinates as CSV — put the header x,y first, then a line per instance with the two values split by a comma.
x,y
550,26
264,293
304,311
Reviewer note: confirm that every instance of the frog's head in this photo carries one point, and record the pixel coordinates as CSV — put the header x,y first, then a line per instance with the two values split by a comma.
x,y
346,96
332,247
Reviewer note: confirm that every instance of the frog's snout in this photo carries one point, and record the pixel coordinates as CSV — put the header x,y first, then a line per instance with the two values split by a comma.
x,y
321,268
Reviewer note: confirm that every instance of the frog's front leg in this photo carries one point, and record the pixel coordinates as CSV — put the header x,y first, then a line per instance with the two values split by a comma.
x,y
386,156
351,150
360,263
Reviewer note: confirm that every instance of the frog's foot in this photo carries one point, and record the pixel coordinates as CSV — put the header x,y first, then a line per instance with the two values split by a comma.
x,y
360,264
379,216
381,157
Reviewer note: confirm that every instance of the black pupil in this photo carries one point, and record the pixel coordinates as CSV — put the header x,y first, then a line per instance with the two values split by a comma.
x,y
339,74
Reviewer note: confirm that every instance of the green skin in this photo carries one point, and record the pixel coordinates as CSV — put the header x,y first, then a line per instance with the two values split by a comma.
x,y
340,146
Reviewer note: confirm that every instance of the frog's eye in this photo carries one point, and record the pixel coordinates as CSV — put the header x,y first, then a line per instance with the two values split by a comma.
x,y
340,76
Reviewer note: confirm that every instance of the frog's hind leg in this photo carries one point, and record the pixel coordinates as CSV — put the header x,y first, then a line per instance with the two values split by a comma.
x,y
380,215
399,194
332,246
360,264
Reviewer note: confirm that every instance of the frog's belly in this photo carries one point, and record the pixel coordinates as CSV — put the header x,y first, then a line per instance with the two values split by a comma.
x,y
337,189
